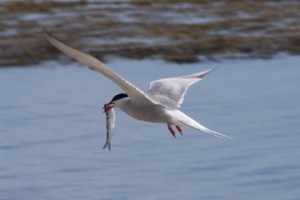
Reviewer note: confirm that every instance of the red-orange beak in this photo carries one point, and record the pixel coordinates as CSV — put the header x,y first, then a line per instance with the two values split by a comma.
x,y
108,106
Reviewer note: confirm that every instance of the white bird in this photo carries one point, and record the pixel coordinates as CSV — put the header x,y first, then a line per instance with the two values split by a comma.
x,y
159,105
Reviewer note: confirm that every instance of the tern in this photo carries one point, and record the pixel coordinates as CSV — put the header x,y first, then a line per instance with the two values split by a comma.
x,y
159,105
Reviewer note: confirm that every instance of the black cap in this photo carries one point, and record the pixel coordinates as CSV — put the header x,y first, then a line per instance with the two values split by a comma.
x,y
119,96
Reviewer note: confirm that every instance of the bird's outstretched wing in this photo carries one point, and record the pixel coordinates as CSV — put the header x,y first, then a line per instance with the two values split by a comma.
x,y
93,63
170,91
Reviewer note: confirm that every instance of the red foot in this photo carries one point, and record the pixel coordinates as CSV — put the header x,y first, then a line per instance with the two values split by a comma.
x,y
171,130
179,129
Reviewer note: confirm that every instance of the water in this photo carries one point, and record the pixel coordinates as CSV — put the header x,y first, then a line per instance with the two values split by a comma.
x,y
52,133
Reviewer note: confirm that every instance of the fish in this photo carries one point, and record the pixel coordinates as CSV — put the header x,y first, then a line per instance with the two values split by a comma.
x,y
110,125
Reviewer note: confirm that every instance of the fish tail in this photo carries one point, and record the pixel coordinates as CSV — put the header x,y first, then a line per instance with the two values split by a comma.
x,y
108,145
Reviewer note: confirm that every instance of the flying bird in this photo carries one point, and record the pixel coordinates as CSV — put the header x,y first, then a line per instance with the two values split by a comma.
x,y
159,105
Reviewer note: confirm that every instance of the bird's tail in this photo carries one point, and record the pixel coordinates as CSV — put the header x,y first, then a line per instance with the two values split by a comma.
x,y
186,120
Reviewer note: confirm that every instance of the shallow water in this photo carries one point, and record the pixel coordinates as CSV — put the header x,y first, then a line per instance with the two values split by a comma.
x,y
52,133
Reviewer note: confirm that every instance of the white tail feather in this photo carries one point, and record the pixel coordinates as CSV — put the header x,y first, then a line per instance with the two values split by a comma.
x,y
186,120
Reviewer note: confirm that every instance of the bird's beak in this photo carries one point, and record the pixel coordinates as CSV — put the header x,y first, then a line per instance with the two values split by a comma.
x,y
108,106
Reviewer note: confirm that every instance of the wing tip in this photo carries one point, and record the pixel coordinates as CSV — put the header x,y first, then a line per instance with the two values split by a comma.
x,y
48,35
205,72
55,41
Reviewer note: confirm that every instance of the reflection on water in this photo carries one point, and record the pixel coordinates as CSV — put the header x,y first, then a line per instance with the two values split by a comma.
x,y
52,130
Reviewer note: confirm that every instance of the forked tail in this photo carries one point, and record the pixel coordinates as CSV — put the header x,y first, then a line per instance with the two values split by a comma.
x,y
186,120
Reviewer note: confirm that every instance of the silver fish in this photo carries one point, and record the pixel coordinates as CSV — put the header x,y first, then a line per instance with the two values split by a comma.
x,y
110,125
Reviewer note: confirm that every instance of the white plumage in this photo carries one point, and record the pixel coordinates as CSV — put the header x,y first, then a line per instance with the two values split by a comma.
x,y
159,105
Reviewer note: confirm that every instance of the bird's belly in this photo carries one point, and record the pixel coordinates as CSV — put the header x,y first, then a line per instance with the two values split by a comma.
x,y
153,114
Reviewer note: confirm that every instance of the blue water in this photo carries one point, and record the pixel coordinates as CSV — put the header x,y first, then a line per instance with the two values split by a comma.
x,y
52,132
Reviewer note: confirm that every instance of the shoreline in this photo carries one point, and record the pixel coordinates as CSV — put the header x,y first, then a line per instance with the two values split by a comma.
x,y
174,32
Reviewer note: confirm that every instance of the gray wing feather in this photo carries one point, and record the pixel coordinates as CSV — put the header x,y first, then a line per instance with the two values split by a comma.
x,y
93,63
170,91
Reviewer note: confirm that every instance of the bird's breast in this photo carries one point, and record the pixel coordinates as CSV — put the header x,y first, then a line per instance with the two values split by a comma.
x,y
150,113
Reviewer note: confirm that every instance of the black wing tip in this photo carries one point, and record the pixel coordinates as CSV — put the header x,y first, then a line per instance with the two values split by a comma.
x,y
210,70
51,37
213,69
47,34
206,72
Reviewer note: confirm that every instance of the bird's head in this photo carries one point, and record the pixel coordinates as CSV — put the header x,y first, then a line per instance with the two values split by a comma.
x,y
114,101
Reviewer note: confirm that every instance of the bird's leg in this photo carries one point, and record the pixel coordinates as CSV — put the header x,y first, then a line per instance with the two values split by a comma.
x,y
179,129
171,130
